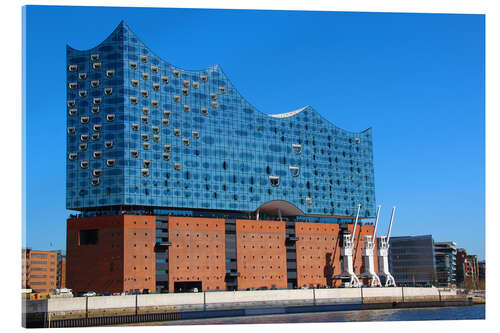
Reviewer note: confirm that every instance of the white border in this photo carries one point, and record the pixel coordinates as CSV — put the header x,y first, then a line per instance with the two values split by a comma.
x,y
11,167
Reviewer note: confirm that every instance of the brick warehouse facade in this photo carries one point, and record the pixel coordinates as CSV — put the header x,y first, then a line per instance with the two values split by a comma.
x,y
196,256
261,254
180,183
111,254
197,252
318,253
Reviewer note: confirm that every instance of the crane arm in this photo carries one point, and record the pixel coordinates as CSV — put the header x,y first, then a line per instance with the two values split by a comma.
x,y
390,224
355,223
376,222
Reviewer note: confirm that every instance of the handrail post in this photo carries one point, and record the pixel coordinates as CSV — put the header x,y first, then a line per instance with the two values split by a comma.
x,y
46,323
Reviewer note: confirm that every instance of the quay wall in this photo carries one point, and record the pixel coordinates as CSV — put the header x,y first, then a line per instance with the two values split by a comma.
x,y
116,310
80,307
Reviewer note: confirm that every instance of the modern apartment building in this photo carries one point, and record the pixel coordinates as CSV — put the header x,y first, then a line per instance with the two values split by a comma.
x,y
446,269
42,271
180,183
412,260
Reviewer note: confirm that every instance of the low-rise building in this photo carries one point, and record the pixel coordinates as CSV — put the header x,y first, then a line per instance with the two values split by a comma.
x,y
412,260
42,271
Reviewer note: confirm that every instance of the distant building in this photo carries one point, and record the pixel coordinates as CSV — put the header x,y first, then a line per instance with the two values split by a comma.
x,y
461,262
412,260
472,267
24,271
61,271
41,270
468,267
482,270
445,257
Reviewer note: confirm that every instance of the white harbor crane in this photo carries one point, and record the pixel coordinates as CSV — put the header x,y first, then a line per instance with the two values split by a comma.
x,y
347,252
368,257
383,251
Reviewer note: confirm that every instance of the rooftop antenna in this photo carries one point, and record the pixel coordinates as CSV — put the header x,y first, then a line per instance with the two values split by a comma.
x,y
383,251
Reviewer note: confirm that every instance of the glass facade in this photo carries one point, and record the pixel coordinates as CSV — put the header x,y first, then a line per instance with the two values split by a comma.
x,y
144,133
412,260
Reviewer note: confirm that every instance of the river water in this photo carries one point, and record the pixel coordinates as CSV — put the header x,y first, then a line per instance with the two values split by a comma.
x,y
440,313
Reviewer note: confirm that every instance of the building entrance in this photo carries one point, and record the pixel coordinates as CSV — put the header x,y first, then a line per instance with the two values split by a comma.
x,y
187,286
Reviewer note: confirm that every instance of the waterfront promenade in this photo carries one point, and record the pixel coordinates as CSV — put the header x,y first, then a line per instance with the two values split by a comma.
x,y
109,310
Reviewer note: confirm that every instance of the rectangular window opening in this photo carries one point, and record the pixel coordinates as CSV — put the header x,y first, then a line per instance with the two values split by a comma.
x,y
89,237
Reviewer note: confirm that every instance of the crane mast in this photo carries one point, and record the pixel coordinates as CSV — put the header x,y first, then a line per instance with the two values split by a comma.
x,y
368,256
383,252
347,253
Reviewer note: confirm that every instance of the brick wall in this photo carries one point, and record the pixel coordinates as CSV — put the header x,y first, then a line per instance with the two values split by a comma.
x,y
318,253
197,253
108,265
261,254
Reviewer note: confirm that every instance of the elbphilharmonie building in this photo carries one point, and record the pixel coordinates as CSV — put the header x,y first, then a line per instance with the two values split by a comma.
x,y
179,182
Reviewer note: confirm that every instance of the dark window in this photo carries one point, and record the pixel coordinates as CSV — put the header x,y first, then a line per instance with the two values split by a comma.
x,y
89,237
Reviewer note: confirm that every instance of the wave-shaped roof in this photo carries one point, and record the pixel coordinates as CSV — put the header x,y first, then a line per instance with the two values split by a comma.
x,y
288,114
123,27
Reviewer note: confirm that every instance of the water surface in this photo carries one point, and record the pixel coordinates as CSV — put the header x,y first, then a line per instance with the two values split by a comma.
x,y
438,313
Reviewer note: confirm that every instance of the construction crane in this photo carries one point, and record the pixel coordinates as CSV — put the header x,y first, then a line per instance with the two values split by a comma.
x,y
368,257
347,252
383,252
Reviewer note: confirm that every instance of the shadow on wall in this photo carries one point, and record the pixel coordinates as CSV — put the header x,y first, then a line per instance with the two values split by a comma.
x,y
328,270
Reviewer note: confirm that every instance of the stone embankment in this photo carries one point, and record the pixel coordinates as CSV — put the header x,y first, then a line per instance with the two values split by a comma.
x,y
105,310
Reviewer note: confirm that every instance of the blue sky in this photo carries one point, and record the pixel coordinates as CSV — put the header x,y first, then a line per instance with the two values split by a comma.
x,y
416,79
